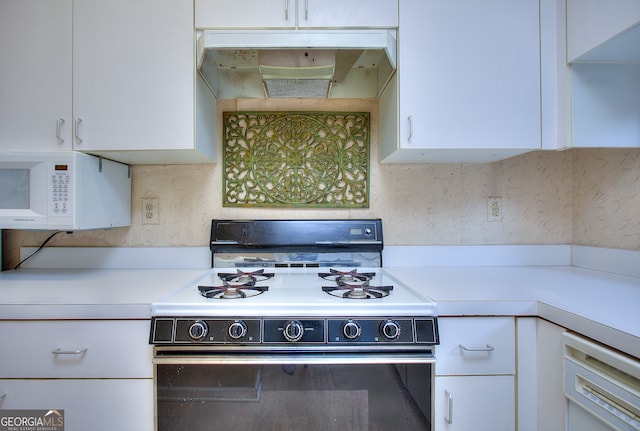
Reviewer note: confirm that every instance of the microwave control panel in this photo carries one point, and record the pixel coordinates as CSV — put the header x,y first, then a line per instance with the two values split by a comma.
x,y
60,189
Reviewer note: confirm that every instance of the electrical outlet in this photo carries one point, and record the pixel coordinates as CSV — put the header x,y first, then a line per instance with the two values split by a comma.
x,y
150,211
494,208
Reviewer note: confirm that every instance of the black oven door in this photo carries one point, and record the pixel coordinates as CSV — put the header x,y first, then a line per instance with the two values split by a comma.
x,y
293,392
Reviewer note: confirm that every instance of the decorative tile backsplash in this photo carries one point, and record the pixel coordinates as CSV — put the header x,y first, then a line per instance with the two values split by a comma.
x,y
296,159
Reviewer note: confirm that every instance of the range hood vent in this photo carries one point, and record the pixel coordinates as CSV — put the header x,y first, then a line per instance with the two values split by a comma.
x,y
277,64
297,73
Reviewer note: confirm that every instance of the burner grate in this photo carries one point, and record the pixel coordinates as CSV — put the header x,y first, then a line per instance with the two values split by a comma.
x,y
342,277
353,285
245,277
237,285
235,291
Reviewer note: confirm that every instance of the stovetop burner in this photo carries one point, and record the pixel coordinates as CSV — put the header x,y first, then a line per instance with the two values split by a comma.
x,y
245,277
353,285
232,291
347,277
237,285
358,291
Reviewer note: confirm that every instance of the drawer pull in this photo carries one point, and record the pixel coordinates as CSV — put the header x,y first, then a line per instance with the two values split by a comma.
x,y
487,348
59,351
3,396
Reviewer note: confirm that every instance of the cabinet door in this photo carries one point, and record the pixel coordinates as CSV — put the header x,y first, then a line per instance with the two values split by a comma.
x,y
96,405
472,403
245,14
469,74
35,74
133,74
351,13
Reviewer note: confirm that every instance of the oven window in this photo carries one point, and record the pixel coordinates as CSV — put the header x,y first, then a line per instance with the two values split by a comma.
x,y
312,397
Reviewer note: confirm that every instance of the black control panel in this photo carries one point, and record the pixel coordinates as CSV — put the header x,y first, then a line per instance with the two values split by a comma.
x,y
313,331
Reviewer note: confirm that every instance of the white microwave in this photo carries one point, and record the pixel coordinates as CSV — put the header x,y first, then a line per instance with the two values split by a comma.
x,y
63,190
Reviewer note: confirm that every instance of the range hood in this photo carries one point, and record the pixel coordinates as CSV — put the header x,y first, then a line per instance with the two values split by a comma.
x,y
292,63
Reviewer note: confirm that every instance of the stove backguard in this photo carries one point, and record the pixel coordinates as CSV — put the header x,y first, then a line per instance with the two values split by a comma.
x,y
296,243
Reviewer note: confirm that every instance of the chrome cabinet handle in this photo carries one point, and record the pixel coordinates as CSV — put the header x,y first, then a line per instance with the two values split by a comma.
x,y
3,396
449,418
306,10
410,120
77,130
59,351
487,348
59,123
286,10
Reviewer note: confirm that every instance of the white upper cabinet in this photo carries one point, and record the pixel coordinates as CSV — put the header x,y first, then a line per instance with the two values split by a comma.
x,y
349,13
468,82
295,13
133,80
245,14
603,30
35,75
114,78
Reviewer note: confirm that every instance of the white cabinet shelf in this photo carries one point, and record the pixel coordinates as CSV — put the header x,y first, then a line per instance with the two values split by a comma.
x,y
606,105
603,30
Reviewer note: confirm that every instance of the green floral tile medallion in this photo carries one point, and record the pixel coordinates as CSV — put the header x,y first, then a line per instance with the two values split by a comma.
x,y
296,159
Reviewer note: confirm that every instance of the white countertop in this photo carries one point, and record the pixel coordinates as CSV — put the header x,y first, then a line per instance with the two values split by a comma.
x,y
598,304
601,305
87,293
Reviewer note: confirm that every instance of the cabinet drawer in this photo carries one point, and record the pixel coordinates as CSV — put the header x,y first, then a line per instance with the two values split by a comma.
x,y
476,345
76,349
88,404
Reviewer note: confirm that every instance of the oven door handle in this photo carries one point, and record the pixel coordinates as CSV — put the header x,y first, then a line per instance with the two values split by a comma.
x,y
292,358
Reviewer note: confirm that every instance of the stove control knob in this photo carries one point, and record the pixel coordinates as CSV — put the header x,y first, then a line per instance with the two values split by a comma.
x,y
390,329
198,330
351,330
293,330
237,330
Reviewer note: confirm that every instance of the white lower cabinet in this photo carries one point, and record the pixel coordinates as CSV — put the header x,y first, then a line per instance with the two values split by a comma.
x,y
88,404
474,403
100,372
475,374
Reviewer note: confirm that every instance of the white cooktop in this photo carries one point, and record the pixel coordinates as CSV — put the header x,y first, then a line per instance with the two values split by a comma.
x,y
295,292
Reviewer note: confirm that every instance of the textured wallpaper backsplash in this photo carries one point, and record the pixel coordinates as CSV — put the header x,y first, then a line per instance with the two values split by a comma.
x,y
579,196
